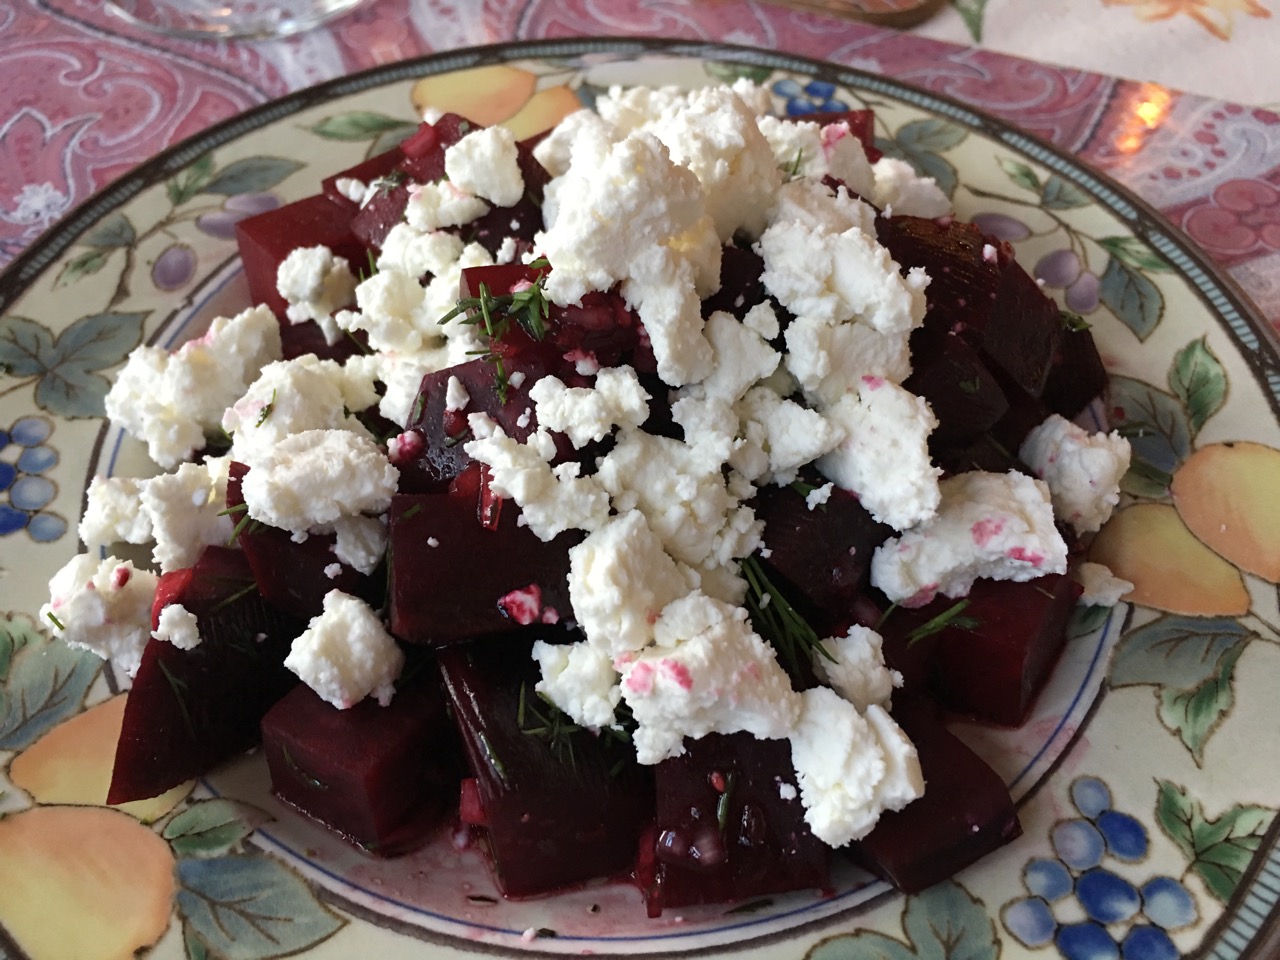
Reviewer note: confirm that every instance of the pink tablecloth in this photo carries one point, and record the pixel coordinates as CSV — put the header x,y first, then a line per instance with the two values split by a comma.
x,y
87,98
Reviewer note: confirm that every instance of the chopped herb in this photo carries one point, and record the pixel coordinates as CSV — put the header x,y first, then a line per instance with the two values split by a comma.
x,y
971,386
388,182
55,621
238,595
550,724
885,616
529,308
413,511
246,523
1073,321
238,508
266,410
948,618
777,621
301,774
722,803
793,170
179,688
802,488
460,438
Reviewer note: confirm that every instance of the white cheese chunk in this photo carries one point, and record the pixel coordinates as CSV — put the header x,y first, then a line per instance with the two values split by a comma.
x,y
102,606
586,414
992,525
1083,470
178,625
346,654
433,206
579,679
486,163
855,668
1101,587
316,284
899,188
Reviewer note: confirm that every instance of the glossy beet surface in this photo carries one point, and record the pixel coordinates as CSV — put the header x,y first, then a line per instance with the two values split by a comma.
x,y
729,827
191,709
555,810
965,812
382,777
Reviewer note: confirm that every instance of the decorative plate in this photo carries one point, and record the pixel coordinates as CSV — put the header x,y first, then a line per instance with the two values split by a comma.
x,y
1146,778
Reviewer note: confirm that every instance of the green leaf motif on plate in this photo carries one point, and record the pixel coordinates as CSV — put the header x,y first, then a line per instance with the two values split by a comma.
x,y
1134,252
359,125
1175,651
250,908
1085,620
212,828
42,682
1193,715
971,12
920,143
1058,193
1132,297
82,265
112,232
190,181
250,175
1197,378
1219,850
944,922
726,72
65,369
1156,425
1021,174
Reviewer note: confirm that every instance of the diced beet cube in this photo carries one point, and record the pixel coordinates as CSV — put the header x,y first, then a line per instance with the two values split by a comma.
x,y
191,709
729,826
366,172
965,812
862,124
992,657
424,150
822,555
295,576
1024,331
556,810
1077,375
299,339
372,222
265,239
453,577
600,329
963,395
382,777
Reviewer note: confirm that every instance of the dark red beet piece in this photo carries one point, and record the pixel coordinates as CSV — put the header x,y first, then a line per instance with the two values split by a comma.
x,y
382,777
963,395
724,832
191,709
1077,375
740,285
965,812
550,819
290,575
265,239
476,579
822,555
992,664
1024,331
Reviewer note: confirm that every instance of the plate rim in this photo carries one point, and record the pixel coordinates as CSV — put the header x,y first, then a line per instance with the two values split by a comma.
x,y
1234,312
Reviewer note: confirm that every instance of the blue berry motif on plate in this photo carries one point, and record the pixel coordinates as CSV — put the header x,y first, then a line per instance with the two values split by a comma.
x,y
814,97
1077,903
25,460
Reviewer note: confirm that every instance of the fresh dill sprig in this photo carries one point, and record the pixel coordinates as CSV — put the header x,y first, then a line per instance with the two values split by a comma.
x,y
55,621
389,181
793,170
722,802
951,617
266,410
1073,321
495,313
549,724
775,619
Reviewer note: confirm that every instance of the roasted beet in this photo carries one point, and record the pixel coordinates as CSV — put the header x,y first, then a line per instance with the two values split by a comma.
x,y
365,172
382,777
267,238
462,566
191,709
821,555
992,656
729,826
740,285
965,812
1076,376
552,809
963,395
295,576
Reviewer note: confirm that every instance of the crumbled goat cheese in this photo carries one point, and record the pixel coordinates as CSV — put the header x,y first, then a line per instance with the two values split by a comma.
x,y
419,254
316,284
830,360
586,414
456,397
993,525
805,149
551,499
186,512
289,397
741,357
620,579
486,163
708,673
662,290
1101,587
579,679
170,401
178,625
102,606
1083,470
792,435
361,541
817,207
346,654
842,276
884,456
310,479
763,320
818,496
851,767
555,150
433,206
899,188
111,513
856,669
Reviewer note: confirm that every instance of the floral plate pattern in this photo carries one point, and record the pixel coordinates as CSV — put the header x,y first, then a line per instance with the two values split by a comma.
x,y
1146,776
